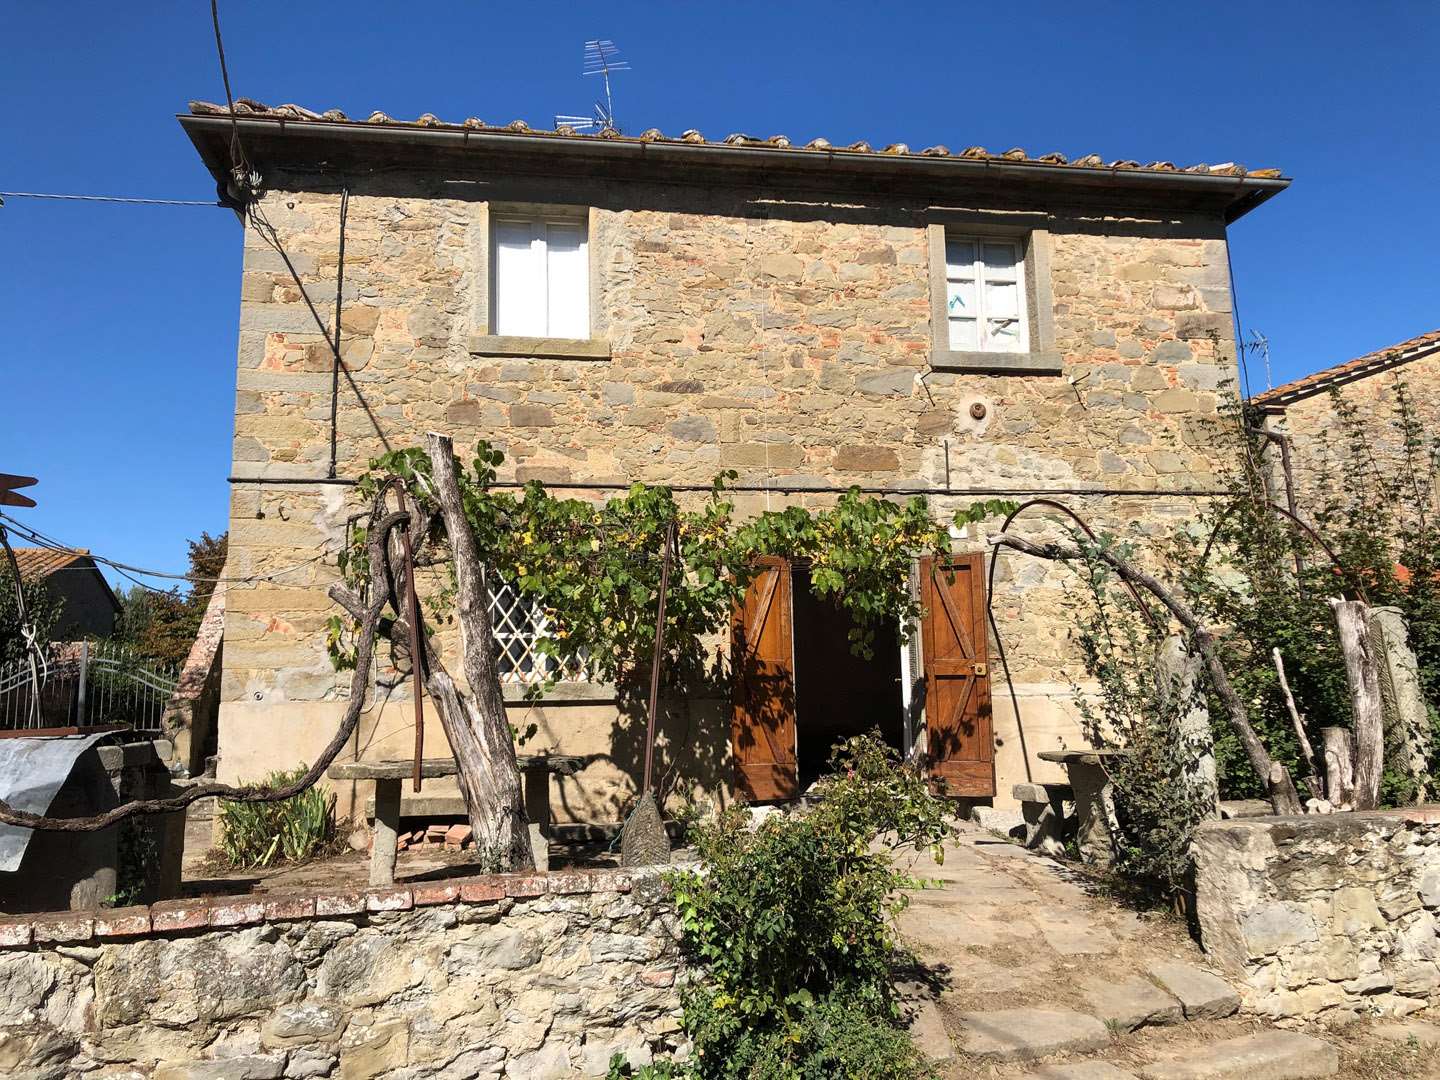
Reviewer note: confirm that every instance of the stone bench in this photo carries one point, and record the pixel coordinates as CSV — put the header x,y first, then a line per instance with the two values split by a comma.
x,y
1043,807
1094,799
387,776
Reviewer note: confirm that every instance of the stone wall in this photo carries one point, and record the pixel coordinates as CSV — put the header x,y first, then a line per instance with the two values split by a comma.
x,y
1325,914
790,341
527,976
191,713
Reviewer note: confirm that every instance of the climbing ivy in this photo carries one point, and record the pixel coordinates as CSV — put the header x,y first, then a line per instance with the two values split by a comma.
x,y
594,566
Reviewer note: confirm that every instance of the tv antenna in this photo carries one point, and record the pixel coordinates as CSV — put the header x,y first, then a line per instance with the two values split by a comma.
x,y
602,59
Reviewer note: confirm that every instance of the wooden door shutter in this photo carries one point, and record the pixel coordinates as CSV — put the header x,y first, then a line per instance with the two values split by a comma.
x,y
763,725
959,732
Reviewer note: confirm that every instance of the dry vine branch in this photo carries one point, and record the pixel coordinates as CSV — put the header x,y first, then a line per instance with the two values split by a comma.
x,y
1283,796
369,616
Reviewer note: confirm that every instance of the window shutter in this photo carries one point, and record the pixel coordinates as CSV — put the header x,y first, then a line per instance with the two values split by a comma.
x,y
519,294
567,282
959,734
762,729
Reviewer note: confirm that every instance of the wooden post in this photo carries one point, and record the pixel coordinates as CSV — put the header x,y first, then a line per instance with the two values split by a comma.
x,y
1307,752
1353,624
1179,672
1339,750
477,726
1406,717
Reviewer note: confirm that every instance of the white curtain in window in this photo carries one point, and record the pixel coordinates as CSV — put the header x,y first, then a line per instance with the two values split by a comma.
x,y
540,279
984,296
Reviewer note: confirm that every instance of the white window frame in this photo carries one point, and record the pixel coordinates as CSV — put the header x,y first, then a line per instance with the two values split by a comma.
x,y
540,282
977,272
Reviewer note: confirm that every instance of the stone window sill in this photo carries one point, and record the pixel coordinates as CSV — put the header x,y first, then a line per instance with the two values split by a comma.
x,y
989,363
564,693
538,347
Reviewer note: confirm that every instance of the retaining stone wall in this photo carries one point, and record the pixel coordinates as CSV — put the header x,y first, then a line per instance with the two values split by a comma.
x,y
1327,914
533,976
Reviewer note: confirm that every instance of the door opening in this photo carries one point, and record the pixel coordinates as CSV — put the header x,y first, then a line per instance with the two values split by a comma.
x,y
839,694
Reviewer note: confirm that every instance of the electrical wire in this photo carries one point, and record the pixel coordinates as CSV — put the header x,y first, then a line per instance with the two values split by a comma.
x,y
121,568
110,199
237,152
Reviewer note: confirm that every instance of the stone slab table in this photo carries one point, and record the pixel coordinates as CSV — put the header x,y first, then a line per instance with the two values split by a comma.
x,y
1094,799
535,773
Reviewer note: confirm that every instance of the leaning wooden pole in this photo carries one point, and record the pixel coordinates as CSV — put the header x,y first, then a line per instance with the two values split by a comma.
x,y
644,842
477,726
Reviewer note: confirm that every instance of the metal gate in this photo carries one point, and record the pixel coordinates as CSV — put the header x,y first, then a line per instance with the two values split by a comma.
x,y
85,684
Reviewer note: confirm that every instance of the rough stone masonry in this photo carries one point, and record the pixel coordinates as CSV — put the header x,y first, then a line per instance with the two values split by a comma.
x,y
782,331
1325,914
526,976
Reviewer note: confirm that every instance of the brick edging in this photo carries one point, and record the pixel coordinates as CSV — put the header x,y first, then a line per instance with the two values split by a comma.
x,y
223,912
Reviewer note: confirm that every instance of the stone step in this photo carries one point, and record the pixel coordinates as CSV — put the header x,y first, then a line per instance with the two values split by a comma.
x,y
1080,1070
1204,996
1026,1034
1424,1034
927,1032
1267,1055
1131,1003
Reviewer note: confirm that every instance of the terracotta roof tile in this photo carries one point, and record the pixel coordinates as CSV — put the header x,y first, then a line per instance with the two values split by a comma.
x,y
250,107
42,562
1359,368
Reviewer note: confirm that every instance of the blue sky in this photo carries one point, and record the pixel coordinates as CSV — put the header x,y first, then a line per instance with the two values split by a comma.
x,y
118,324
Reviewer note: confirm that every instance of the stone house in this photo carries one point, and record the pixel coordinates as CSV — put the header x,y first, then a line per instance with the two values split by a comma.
x,y
607,309
87,606
1305,413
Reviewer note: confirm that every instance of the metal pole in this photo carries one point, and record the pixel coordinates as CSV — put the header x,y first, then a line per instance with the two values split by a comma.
x,y
84,677
25,628
335,344
412,603
658,659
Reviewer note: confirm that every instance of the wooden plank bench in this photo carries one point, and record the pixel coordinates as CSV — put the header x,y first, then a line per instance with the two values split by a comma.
x,y
388,776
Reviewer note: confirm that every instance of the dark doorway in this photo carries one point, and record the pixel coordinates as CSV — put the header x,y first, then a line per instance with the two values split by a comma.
x,y
839,694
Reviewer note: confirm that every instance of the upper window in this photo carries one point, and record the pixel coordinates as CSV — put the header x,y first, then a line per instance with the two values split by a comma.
x,y
985,295
540,279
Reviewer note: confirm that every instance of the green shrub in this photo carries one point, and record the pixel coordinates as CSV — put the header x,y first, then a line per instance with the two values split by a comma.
x,y
788,927
1159,797
292,830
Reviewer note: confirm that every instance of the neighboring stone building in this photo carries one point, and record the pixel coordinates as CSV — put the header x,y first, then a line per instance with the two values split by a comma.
x,y
1307,413
88,606
608,309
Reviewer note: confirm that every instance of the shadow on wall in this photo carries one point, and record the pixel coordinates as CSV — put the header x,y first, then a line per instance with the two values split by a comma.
x,y
692,741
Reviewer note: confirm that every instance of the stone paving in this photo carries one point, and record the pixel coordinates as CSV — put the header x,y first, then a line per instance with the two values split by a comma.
x,y
1026,971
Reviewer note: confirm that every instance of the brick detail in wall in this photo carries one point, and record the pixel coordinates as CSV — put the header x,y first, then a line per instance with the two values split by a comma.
x,y
167,917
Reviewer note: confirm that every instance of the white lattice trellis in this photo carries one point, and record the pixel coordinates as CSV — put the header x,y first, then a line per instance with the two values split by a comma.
x,y
519,622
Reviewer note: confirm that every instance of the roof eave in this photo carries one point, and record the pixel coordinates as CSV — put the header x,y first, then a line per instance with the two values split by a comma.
x,y
1321,382
1247,192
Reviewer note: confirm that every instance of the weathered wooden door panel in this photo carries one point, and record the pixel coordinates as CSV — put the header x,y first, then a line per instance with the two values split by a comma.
x,y
763,652
959,731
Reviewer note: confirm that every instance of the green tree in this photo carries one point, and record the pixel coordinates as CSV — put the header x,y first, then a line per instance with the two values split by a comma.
x,y
161,626
42,608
